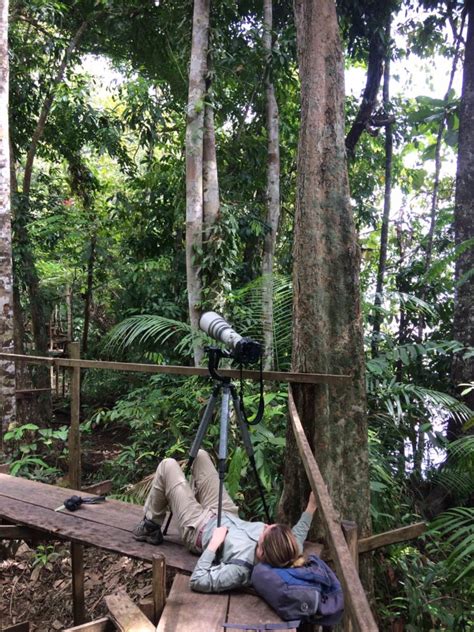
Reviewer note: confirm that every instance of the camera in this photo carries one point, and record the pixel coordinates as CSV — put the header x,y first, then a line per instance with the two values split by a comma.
x,y
243,350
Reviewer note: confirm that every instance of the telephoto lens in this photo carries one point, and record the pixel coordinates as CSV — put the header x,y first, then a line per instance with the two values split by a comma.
x,y
244,350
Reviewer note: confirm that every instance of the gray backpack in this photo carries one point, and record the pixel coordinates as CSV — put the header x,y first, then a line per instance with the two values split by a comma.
x,y
310,593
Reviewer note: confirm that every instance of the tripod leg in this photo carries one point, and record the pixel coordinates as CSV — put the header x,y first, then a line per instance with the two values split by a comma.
x,y
203,425
223,439
249,448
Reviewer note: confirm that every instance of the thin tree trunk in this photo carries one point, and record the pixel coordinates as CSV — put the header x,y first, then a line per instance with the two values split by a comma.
x,y
273,190
194,164
386,205
45,110
463,323
377,52
88,293
327,329
439,138
29,272
7,369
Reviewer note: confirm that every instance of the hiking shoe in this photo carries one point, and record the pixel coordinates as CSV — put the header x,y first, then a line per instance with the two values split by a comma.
x,y
148,531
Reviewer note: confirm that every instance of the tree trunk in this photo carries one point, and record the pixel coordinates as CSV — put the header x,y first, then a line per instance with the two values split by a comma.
x,y
210,175
375,66
194,164
463,323
273,190
327,329
88,293
28,266
7,369
386,205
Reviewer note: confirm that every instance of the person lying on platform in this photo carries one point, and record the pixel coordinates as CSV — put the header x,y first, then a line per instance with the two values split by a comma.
x,y
241,543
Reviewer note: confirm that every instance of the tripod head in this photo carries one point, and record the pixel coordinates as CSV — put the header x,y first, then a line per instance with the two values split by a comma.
x,y
214,355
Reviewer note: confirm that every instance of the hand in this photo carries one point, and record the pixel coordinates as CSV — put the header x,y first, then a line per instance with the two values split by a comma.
x,y
218,536
312,506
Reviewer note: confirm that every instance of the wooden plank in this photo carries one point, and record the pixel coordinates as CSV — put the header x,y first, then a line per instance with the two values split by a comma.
x,y
126,615
188,611
113,512
74,437
349,529
355,597
14,532
249,609
158,585
392,537
78,602
98,625
271,376
72,527
101,489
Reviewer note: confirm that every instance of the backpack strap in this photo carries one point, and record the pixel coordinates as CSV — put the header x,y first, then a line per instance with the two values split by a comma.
x,y
238,562
262,627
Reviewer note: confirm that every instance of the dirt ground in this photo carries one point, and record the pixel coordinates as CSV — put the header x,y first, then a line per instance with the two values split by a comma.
x,y
35,584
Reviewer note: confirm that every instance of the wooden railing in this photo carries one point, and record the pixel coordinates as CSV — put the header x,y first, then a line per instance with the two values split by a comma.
x,y
74,363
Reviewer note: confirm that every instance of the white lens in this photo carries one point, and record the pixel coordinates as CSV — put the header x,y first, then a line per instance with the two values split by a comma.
x,y
219,329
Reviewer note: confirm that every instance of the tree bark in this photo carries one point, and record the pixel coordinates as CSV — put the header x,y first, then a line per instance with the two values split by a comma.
x,y
273,190
386,206
194,164
7,369
327,329
463,322
88,293
211,203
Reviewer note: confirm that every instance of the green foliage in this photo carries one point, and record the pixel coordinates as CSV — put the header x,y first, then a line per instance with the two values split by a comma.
x,y
36,452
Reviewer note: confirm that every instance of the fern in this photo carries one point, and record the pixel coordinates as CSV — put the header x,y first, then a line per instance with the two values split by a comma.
x,y
457,527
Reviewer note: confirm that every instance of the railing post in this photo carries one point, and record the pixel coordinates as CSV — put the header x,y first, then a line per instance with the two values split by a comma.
x,y
74,442
159,586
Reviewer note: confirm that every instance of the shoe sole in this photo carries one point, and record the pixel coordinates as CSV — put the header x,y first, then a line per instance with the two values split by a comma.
x,y
147,538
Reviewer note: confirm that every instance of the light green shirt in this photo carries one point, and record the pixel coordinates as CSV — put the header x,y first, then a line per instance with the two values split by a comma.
x,y
240,543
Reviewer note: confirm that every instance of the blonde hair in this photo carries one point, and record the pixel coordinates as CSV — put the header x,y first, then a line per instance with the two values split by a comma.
x,y
280,548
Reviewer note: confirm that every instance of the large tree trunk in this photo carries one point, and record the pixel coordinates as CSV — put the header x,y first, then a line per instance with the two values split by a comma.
x,y
386,205
327,328
273,190
463,324
194,164
7,369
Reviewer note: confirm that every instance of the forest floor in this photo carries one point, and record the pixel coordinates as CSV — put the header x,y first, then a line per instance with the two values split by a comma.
x,y
35,579
35,584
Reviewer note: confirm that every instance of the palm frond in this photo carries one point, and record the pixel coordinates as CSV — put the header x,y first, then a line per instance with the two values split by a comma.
x,y
457,527
149,328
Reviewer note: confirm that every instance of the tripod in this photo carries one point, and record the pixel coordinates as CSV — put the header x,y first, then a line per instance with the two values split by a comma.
x,y
224,387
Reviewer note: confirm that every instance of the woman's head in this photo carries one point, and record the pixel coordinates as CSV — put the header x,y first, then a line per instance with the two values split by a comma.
x,y
277,546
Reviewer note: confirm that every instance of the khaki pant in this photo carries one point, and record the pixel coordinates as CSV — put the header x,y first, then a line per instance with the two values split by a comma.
x,y
192,504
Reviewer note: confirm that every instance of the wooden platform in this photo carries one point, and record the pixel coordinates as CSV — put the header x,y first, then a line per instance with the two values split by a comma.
x,y
186,611
107,525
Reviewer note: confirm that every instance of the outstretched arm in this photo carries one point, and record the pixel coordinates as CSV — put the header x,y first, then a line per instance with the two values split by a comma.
x,y
301,528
